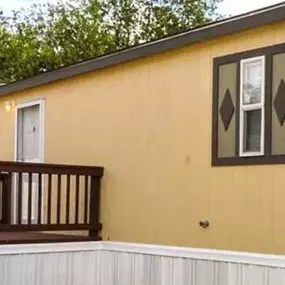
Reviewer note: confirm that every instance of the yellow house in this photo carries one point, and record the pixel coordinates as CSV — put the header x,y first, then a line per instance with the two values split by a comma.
x,y
189,129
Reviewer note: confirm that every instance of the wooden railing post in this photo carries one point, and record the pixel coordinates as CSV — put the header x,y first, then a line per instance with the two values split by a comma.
x,y
6,198
94,206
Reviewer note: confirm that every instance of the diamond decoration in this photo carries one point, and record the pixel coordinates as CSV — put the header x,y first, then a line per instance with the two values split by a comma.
x,y
227,109
279,102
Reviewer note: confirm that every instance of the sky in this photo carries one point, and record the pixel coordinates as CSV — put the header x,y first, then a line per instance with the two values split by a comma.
x,y
228,7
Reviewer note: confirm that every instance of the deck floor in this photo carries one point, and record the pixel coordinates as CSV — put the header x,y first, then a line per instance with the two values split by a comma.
x,y
38,237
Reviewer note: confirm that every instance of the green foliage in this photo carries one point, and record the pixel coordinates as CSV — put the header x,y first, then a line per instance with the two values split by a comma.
x,y
46,36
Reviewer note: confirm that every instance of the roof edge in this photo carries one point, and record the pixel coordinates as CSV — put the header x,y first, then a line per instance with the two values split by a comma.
x,y
271,14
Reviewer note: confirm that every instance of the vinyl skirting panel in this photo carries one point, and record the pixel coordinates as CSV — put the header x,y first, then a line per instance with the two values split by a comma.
x,y
108,263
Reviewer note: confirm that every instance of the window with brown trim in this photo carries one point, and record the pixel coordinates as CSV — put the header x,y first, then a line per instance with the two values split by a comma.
x,y
249,107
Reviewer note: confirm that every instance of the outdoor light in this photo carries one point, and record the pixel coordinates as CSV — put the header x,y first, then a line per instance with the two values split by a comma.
x,y
9,105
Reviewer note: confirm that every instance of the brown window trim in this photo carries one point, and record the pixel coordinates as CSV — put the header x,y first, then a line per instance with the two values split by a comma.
x,y
267,158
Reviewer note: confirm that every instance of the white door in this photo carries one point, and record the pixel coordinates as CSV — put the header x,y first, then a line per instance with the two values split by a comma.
x,y
29,148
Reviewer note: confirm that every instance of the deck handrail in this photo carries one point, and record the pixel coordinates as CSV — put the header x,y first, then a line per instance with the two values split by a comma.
x,y
49,168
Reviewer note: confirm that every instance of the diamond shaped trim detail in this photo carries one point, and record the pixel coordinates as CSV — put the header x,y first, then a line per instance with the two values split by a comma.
x,y
227,109
279,102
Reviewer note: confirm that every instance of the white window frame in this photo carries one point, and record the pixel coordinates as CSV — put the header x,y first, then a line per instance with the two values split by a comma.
x,y
251,107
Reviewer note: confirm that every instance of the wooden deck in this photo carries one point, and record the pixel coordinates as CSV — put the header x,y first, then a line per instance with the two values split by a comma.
x,y
37,237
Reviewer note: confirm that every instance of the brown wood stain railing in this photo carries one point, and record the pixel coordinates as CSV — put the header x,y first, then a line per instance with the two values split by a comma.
x,y
34,197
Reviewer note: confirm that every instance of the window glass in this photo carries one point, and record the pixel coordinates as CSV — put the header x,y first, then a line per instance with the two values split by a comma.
x,y
252,131
252,82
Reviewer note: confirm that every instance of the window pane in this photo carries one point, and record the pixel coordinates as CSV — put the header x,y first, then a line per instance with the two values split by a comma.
x,y
252,131
252,81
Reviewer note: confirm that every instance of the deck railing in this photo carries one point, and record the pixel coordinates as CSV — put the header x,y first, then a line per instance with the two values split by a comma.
x,y
49,197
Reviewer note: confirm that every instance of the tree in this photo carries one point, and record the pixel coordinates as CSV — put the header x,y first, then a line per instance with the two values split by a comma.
x,y
45,37
167,17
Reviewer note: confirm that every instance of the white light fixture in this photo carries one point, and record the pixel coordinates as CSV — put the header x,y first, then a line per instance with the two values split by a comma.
x,y
9,106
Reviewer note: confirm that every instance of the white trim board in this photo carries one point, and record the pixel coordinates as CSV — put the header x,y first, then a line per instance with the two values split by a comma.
x,y
25,104
268,260
41,103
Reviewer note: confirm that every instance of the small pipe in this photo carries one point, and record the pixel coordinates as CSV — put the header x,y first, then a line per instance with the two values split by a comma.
x,y
204,224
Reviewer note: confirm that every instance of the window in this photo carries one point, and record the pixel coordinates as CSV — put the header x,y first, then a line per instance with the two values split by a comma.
x,y
248,125
251,124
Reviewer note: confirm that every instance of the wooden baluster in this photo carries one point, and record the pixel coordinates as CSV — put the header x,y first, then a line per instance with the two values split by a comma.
x,y
77,199
67,198
20,197
86,200
6,198
49,199
1,193
30,198
58,198
40,198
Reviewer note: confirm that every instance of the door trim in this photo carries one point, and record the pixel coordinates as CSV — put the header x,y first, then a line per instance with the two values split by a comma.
x,y
41,103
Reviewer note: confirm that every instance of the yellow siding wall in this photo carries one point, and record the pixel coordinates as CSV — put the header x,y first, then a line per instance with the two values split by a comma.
x,y
148,123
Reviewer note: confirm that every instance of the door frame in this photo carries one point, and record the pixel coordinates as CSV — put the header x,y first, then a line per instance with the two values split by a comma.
x,y
41,103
